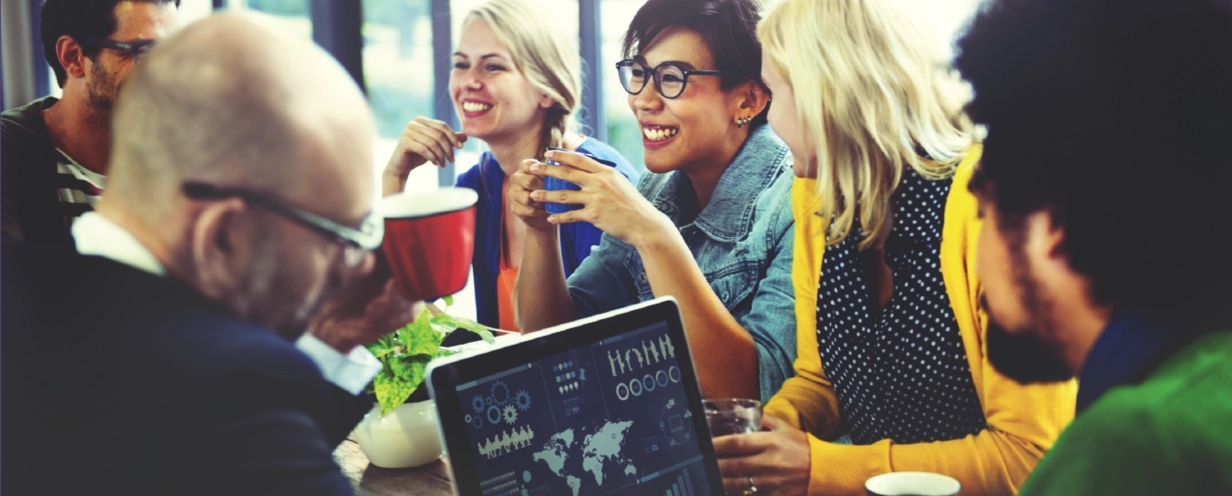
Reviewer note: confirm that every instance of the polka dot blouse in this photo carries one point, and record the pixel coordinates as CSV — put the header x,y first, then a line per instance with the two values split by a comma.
x,y
900,373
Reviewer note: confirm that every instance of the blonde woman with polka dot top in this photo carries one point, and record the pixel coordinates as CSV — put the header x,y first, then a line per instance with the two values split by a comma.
x,y
892,374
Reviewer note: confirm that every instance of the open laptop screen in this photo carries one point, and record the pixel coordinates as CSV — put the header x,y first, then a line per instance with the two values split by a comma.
x,y
609,417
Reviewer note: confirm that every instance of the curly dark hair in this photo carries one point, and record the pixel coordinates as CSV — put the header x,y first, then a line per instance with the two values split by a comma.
x,y
1115,117
78,19
728,28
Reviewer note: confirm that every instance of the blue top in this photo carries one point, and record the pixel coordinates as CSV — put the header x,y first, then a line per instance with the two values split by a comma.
x,y
1130,342
742,241
487,178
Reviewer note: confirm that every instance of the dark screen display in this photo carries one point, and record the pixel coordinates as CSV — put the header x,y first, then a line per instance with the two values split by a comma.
x,y
608,418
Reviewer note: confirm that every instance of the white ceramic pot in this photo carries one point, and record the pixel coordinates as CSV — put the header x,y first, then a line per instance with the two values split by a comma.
x,y
406,437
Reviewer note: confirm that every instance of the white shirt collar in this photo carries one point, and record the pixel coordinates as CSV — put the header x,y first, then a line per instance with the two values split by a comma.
x,y
99,236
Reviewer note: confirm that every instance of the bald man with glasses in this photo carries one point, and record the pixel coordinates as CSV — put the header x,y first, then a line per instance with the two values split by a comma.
x,y
155,353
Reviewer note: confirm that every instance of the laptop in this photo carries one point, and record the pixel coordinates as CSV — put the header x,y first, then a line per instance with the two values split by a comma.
x,y
606,405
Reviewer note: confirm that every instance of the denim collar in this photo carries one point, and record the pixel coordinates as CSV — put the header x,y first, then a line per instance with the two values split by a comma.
x,y
729,216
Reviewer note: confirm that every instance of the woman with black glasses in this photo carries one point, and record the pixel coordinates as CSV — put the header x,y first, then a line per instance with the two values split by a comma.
x,y
710,225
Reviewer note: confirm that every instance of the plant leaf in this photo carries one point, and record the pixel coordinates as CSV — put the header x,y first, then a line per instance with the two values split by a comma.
x,y
446,322
420,338
405,354
382,346
391,392
476,328
448,301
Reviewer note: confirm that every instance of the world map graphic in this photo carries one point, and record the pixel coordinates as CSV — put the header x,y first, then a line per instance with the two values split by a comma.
x,y
600,452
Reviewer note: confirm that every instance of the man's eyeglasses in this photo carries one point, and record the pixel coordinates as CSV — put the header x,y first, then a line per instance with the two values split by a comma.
x,y
135,49
669,78
357,241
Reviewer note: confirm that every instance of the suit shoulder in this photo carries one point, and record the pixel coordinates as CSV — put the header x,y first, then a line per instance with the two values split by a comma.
x,y
250,352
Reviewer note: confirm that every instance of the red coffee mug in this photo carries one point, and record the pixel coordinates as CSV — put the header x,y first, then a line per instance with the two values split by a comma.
x,y
429,240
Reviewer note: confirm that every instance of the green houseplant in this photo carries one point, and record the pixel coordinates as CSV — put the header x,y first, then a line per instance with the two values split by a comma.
x,y
404,355
401,431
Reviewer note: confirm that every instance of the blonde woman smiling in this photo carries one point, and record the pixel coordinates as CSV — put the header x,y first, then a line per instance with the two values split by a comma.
x,y
516,83
890,328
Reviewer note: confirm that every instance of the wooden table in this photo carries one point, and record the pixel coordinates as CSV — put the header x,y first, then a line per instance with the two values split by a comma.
x,y
429,480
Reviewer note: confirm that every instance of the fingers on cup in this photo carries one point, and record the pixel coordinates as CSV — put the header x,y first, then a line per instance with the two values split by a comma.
x,y
525,198
527,209
575,160
561,172
567,217
525,181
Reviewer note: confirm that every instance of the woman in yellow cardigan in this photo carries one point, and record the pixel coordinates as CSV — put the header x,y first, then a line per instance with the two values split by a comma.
x,y
886,293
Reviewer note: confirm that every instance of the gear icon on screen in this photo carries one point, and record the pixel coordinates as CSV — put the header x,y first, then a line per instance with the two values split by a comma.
x,y
494,415
477,404
511,414
500,393
477,422
522,399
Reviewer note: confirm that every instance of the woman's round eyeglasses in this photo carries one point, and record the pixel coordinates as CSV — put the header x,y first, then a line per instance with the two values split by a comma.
x,y
669,77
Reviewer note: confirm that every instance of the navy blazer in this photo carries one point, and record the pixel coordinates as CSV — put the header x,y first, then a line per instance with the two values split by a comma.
x,y
117,381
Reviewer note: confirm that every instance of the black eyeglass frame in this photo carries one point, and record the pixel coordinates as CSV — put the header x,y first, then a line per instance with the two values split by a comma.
x,y
135,49
654,74
367,237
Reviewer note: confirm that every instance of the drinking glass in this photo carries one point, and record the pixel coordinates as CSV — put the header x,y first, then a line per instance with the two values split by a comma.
x,y
732,416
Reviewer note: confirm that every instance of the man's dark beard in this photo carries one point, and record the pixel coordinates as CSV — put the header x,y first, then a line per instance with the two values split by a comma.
x,y
1024,355
101,92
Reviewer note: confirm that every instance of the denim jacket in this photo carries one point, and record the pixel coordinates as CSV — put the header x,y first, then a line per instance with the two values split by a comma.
x,y
742,241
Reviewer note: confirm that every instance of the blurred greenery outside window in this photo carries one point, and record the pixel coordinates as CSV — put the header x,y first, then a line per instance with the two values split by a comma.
x,y
293,14
398,62
623,132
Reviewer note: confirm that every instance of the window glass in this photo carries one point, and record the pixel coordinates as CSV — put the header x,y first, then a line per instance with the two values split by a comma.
x,y
291,13
193,10
397,62
944,18
623,132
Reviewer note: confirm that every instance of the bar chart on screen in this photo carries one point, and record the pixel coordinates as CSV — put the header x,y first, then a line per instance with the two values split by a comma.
x,y
682,487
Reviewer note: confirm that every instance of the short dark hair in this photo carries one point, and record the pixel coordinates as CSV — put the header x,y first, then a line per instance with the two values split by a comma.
x,y
78,19
1115,118
728,28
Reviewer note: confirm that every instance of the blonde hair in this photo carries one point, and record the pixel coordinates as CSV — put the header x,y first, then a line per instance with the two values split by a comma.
x,y
546,56
872,95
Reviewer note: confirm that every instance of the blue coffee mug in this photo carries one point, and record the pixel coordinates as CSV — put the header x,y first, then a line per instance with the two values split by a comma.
x,y
553,184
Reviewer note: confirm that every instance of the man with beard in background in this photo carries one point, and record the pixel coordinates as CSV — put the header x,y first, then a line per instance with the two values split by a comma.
x,y
55,151
1108,249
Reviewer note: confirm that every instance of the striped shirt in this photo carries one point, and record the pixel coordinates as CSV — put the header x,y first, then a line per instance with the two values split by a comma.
x,y
44,190
78,188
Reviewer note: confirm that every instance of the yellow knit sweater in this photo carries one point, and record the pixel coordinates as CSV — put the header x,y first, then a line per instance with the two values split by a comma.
x,y
1023,421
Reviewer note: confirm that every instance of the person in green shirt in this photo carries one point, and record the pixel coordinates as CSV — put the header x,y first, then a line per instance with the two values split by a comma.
x,y
1108,250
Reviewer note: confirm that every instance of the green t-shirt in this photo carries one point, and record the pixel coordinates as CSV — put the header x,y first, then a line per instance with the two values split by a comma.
x,y
1169,434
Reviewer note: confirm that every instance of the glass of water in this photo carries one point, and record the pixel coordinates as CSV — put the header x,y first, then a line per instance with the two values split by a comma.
x,y
732,416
